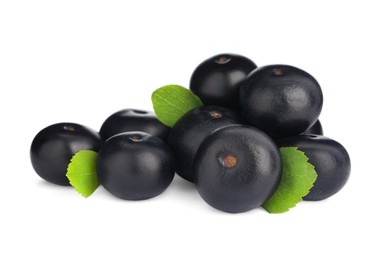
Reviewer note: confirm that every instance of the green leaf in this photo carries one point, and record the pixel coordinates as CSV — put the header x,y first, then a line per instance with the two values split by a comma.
x,y
298,177
171,102
82,172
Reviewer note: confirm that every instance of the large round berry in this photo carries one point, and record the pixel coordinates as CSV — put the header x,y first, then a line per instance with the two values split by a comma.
x,y
135,165
54,146
330,160
127,120
216,81
281,100
189,132
237,168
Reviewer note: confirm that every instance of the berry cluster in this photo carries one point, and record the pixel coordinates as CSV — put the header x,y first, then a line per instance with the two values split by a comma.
x,y
229,141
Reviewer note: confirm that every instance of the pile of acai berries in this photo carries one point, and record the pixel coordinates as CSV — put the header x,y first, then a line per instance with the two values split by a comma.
x,y
246,136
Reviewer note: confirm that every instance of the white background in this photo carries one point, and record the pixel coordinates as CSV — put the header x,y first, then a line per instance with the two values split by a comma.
x,y
80,61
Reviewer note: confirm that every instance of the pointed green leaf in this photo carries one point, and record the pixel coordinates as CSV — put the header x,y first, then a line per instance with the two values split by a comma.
x,y
82,172
171,102
298,177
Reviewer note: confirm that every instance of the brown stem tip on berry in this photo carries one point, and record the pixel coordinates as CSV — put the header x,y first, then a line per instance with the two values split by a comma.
x,y
214,114
228,161
222,59
278,72
135,138
69,128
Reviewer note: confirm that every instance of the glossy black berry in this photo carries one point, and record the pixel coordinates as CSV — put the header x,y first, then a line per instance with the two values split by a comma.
x,y
54,146
135,166
315,129
281,100
216,81
127,120
330,159
237,168
189,132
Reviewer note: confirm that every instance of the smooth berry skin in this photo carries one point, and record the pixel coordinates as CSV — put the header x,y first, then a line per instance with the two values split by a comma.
x,y
135,166
237,168
315,129
281,100
127,120
189,132
216,81
330,160
53,147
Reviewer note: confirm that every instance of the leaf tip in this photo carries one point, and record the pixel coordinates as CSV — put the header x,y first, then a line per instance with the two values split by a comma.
x,y
81,172
171,102
298,177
